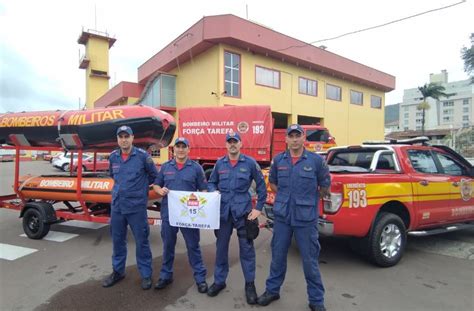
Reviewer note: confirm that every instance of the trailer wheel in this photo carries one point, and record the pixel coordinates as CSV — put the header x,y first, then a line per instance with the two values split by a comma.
x,y
387,240
34,224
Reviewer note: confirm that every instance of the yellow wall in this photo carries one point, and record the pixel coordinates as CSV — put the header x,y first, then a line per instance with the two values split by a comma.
x,y
197,79
97,51
350,124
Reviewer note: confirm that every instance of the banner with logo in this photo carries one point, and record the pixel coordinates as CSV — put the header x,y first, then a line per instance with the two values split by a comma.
x,y
198,210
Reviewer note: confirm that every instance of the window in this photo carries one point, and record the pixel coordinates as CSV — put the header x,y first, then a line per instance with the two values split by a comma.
x,y
447,119
375,101
406,115
422,161
317,135
99,73
465,118
386,162
419,114
465,125
405,108
357,98
449,166
418,120
465,101
232,74
155,153
405,122
448,104
465,109
333,92
308,87
160,92
418,128
448,111
267,77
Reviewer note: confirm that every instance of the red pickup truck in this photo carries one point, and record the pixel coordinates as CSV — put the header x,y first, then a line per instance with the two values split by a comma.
x,y
382,191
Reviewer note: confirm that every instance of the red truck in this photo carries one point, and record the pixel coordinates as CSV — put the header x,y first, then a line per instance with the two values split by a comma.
x,y
206,127
382,191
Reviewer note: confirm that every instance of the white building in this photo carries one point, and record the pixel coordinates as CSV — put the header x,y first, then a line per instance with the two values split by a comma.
x,y
453,112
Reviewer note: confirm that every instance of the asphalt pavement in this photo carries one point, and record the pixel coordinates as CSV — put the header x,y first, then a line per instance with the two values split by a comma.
x,y
64,271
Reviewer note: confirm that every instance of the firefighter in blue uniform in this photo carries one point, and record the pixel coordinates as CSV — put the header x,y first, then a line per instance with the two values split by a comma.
x,y
133,171
233,176
180,174
297,176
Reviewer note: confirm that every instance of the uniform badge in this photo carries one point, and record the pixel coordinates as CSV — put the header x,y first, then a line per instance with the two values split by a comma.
x,y
308,168
243,169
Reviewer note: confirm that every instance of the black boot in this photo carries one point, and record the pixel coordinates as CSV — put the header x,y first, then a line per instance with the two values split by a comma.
x,y
112,279
215,289
317,307
250,293
266,298
162,283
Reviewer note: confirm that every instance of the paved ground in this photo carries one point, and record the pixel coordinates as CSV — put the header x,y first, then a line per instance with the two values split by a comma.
x,y
64,271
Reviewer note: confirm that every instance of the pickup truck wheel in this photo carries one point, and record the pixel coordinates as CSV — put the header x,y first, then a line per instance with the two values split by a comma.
x,y
387,241
34,224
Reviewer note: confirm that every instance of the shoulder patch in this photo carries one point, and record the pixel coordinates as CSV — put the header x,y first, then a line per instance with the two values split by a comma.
x,y
149,160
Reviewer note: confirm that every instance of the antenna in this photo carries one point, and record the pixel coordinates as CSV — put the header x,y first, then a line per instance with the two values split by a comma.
x,y
247,10
95,16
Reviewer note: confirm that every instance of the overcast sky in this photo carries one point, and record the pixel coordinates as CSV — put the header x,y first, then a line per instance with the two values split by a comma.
x,y
40,55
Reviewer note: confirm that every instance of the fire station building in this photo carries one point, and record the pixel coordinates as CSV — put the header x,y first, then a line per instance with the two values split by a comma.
x,y
226,60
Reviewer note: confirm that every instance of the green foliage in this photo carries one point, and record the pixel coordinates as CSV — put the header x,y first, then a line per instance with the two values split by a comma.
x,y
467,56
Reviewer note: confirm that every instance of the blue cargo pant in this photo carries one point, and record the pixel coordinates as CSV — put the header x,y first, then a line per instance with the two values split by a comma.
x,y
191,238
308,244
138,222
246,247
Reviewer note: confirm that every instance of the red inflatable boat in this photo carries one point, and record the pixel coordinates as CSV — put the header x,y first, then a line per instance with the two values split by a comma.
x,y
96,128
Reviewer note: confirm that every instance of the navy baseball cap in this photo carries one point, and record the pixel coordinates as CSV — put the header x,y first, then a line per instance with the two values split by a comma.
x,y
181,140
232,135
294,127
126,129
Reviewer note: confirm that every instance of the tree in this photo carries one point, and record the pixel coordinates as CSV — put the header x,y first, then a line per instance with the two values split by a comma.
x,y
434,91
468,57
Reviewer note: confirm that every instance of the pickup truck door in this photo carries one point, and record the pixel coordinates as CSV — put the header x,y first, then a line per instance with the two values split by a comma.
x,y
432,190
461,188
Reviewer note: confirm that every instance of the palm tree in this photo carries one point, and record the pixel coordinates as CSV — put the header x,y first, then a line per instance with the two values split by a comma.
x,y
468,58
434,91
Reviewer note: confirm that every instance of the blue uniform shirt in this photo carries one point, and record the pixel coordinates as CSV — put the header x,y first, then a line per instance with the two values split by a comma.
x,y
190,178
132,179
297,198
234,182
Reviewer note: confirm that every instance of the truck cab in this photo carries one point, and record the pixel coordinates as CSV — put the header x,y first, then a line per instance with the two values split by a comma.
x,y
318,138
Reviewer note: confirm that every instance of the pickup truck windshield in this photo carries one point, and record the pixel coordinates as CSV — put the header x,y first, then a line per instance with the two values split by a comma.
x,y
317,135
